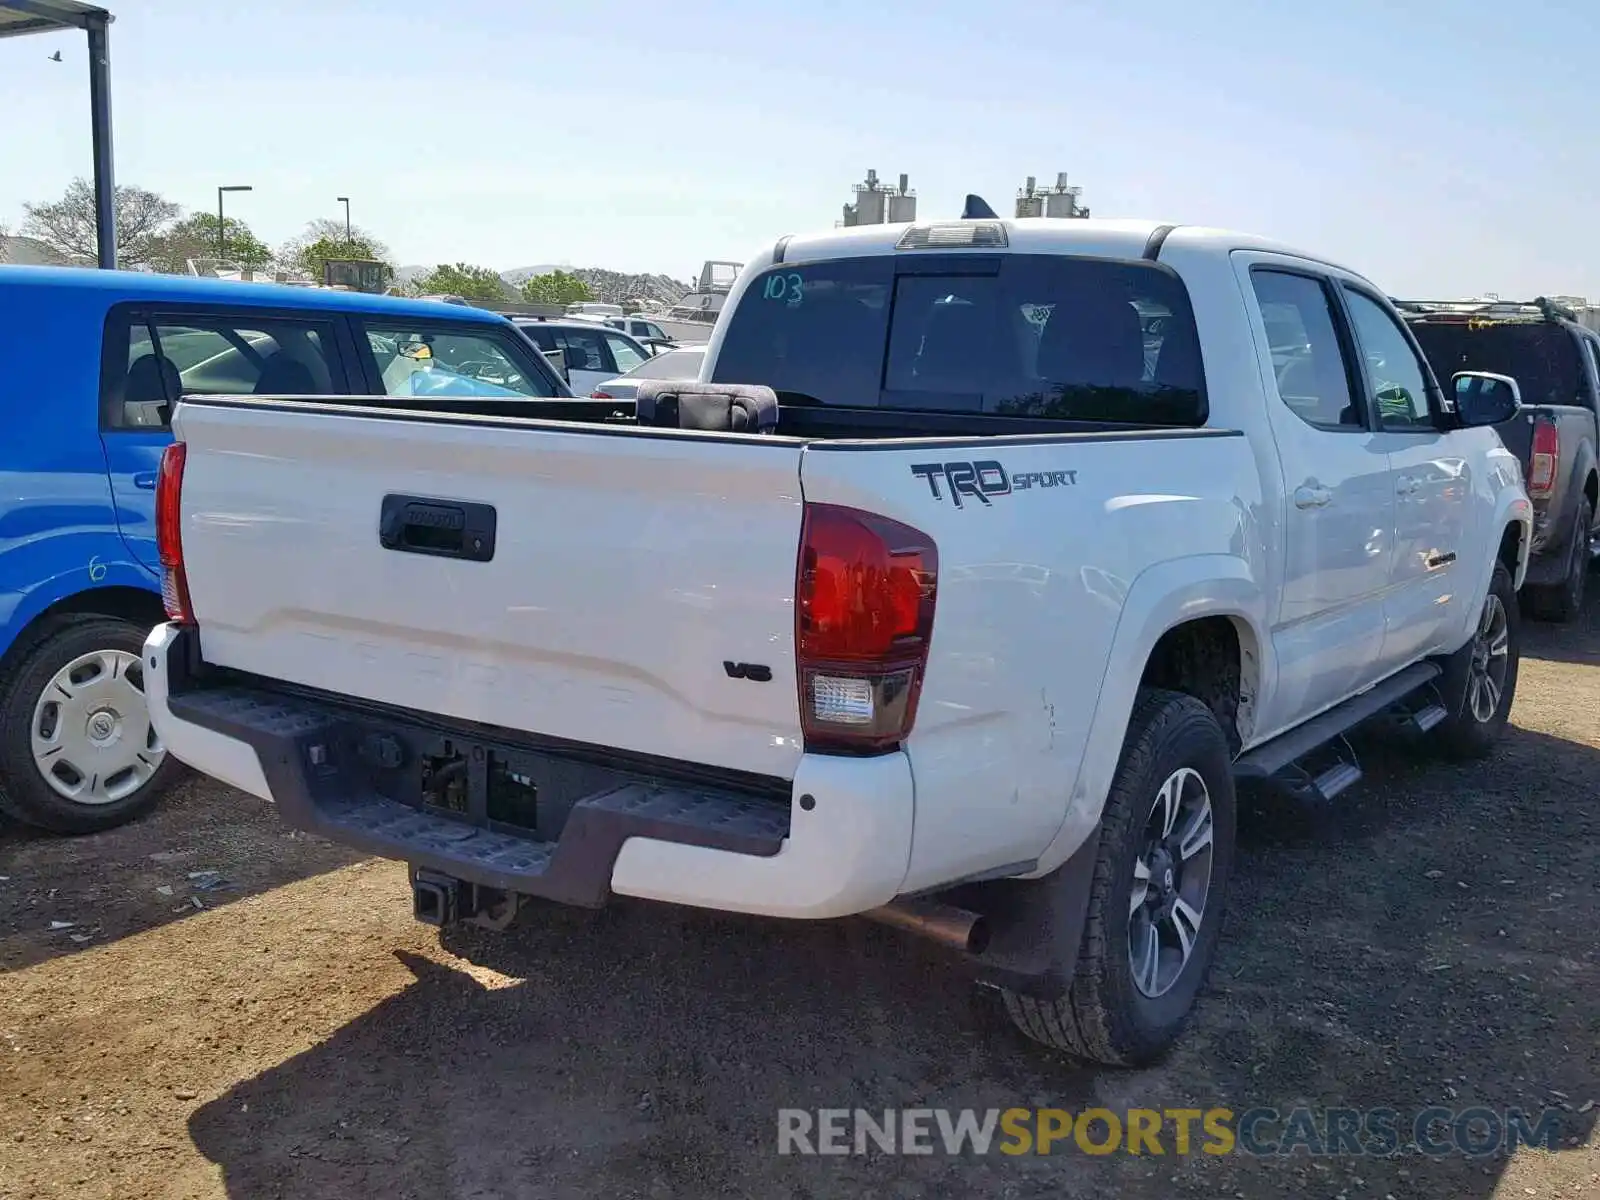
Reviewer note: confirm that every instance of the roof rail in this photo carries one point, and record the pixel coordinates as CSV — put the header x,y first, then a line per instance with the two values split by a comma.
x,y
1540,308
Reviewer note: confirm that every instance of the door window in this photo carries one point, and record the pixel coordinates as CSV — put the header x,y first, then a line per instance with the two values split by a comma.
x,y
586,349
437,361
1396,377
224,354
1313,382
626,356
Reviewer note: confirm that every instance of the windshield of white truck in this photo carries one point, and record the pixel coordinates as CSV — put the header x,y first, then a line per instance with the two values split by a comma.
x,y
1043,336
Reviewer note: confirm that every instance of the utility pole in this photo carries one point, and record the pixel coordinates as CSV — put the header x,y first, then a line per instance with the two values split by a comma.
x,y
222,228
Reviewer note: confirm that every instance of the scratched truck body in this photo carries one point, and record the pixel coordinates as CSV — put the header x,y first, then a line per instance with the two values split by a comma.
x,y
957,593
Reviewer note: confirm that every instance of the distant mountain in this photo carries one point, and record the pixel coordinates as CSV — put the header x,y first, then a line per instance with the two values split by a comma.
x,y
612,287
517,276
615,287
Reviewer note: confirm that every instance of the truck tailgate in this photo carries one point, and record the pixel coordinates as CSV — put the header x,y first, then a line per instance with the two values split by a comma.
x,y
639,579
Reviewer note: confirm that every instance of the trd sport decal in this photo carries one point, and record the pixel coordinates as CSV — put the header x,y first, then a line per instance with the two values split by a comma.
x,y
981,480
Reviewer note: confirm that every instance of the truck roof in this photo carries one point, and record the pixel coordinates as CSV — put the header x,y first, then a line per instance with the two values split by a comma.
x,y
141,285
1047,235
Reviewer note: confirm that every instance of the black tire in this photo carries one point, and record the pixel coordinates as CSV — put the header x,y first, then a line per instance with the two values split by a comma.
x,y
25,793
1562,602
1105,1016
1464,733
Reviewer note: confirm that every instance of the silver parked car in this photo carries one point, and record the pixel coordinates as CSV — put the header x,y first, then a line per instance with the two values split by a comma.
x,y
681,363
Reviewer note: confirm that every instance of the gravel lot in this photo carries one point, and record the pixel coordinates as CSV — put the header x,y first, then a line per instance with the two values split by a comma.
x,y
1431,940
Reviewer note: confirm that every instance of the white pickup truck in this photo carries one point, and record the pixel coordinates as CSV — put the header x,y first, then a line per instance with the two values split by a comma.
x,y
1055,531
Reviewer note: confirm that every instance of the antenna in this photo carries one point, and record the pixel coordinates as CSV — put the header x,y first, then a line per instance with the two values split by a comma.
x,y
977,209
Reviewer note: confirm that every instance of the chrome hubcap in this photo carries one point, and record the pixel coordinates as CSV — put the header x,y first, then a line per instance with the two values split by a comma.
x,y
1491,658
1171,882
91,734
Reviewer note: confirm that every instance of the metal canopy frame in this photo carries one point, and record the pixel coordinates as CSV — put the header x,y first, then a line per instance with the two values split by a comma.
x,y
21,17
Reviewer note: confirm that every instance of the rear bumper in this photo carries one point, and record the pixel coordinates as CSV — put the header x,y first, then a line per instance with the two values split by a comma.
x,y
838,843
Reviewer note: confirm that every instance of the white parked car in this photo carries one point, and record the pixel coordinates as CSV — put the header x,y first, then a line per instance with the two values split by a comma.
x,y
593,352
680,364
989,558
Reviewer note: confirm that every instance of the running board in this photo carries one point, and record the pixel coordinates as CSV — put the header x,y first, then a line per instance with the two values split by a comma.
x,y
1283,751
1425,719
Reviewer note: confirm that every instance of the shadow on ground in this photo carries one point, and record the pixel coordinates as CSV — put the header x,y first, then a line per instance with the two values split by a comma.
x,y
205,845
1577,642
1412,949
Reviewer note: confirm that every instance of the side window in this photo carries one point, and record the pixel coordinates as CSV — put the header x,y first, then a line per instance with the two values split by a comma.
x,y
1303,339
585,350
202,355
622,350
149,389
434,361
1594,366
654,331
545,339
1396,375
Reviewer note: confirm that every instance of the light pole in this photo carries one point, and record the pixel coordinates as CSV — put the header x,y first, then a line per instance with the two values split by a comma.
x,y
345,200
222,230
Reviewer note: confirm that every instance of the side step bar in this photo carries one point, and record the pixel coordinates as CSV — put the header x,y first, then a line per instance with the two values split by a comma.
x,y
1280,759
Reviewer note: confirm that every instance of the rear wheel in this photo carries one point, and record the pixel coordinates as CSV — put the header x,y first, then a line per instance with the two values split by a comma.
x,y
77,751
1564,601
1480,679
1155,908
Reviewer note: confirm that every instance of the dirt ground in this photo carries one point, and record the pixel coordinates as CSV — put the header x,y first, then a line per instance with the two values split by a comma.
x,y
293,1033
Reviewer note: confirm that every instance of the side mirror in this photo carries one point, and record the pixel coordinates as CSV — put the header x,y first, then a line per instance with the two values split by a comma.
x,y
1484,398
558,360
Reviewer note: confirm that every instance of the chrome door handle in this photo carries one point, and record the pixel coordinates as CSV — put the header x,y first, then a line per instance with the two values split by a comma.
x,y
1311,496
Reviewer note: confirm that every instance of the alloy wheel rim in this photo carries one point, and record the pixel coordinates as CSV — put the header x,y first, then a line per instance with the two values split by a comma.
x,y
1171,882
1491,660
91,735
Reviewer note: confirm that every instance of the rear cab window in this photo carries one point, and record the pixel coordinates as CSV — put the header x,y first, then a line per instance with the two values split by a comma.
x,y
1042,336
1542,356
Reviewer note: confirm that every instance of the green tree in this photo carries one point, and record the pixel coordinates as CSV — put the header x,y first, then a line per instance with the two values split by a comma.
x,y
195,237
464,280
558,287
324,238
67,225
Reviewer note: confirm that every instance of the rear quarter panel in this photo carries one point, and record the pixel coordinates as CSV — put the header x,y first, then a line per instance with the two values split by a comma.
x,y
58,526
1033,587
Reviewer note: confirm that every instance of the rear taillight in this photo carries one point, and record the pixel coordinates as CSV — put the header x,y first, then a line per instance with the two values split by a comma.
x,y
864,616
599,395
1542,463
169,534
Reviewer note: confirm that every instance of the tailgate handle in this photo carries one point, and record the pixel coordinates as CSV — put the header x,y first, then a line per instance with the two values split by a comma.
x,y
443,528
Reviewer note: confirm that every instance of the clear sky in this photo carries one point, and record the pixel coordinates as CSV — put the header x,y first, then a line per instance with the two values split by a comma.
x,y
1439,146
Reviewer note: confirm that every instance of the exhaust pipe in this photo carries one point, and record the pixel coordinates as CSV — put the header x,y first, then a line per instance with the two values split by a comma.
x,y
957,928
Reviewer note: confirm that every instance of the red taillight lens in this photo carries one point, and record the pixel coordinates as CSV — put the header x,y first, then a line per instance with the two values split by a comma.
x,y
864,616
169,534
1542,463
599,395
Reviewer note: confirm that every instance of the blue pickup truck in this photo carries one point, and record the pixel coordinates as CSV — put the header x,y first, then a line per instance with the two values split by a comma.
x,y
92,364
